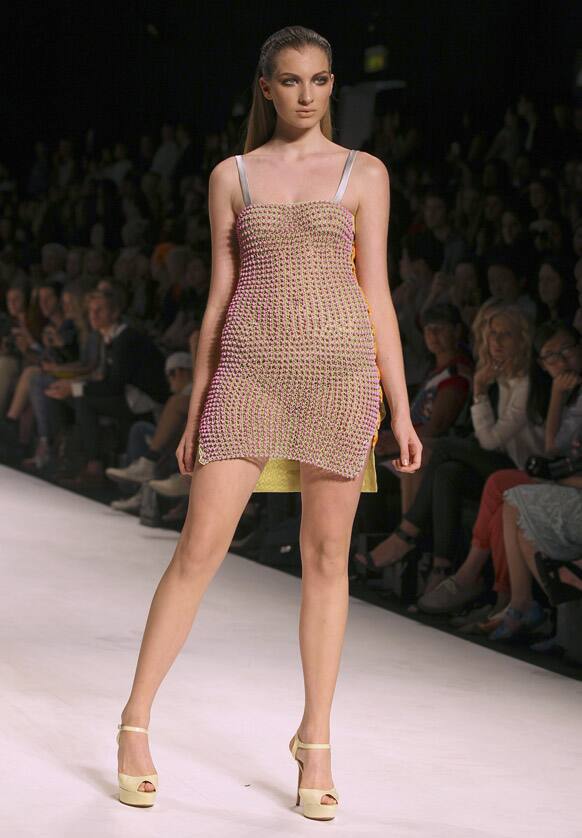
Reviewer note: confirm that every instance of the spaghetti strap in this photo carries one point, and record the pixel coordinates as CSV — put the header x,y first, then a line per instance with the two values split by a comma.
x,y
345,175
242,173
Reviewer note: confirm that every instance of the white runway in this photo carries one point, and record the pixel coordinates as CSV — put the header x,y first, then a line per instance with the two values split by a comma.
x,y
431,735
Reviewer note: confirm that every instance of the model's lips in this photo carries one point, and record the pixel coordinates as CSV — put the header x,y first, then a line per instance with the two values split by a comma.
x,y
305,111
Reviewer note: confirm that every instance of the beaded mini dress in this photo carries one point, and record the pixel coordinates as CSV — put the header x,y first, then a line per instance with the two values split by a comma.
x,y
297,378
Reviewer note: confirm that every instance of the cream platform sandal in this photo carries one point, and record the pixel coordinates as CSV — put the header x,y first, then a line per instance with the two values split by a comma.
x,y
128,785
311,798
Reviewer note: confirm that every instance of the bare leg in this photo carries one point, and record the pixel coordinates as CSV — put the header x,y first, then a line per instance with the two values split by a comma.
x,y
409,484
520,558
20,397
469,572
328,508
569,578
218,494
171,422
393,548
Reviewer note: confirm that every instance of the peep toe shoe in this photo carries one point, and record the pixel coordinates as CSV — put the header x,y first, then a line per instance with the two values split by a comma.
x,y
311,798
129,785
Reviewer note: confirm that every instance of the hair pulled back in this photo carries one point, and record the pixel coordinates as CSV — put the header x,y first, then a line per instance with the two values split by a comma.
x,y
262,116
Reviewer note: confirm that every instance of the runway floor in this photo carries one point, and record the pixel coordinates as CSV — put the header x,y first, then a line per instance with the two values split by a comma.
x,y
431,735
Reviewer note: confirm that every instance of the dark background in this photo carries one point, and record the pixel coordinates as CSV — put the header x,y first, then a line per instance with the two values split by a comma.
x,y
123,67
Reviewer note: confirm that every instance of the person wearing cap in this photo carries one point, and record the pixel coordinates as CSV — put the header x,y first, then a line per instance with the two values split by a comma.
x,y
438,404
148,442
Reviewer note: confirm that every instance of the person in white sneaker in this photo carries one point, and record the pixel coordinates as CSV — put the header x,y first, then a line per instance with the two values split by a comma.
x,y
148,442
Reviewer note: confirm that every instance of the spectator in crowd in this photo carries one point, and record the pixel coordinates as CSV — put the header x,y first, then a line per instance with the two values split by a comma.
x,y
458,468
421,258
557,358
58,343
538,517
133,383
467,290
89,360
12,321
166,158
506,142
435,212
148,441
556,291
507,280
440,401
53,261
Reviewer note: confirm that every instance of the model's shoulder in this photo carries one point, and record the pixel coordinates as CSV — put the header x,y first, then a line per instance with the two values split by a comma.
x,y
372,167
223,170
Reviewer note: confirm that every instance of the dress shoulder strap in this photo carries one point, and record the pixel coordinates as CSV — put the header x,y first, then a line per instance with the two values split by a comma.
x,y
345,175
242,173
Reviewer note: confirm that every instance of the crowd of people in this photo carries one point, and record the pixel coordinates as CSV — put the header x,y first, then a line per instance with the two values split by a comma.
x,y
104,277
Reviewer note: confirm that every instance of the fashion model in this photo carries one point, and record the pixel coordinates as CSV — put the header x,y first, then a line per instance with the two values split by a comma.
x,y
298,343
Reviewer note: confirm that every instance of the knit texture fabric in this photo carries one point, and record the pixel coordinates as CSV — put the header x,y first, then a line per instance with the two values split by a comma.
x,y
297,379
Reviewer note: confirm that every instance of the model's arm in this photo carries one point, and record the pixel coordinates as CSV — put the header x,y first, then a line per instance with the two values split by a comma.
x,y
372,273
223,279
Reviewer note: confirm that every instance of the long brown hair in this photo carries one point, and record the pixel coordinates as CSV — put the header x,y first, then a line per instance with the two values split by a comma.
x,y
262,117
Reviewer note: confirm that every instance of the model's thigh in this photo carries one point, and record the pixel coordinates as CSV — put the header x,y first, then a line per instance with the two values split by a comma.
x,y
219,492
328,506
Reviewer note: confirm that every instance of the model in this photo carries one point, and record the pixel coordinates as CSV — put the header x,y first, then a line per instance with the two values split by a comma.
x,y
298,343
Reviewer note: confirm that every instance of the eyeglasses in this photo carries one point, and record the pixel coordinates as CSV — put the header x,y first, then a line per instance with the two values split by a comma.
x,y
565,353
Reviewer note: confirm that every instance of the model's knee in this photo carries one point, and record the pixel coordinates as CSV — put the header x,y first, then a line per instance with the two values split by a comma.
x,y
328,557
196,555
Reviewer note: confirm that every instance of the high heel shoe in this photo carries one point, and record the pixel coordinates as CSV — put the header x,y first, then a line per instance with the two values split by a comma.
x,y
129,785
311,798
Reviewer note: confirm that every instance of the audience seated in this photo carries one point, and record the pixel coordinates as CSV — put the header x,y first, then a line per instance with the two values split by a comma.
x,y
557,369
104,277
504,437
440,401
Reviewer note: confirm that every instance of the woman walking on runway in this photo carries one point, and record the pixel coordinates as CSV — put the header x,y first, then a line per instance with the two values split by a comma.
x,y
298,343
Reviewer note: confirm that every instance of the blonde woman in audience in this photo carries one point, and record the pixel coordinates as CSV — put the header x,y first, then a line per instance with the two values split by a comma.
x,y
458,468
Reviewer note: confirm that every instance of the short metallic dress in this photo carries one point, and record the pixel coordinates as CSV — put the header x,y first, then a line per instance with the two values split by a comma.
x,y
297,378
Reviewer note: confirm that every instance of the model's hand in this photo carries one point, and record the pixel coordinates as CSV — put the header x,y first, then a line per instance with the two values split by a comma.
x,y
186,447
409,444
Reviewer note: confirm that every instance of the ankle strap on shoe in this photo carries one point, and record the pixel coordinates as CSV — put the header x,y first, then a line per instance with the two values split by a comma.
x,y
130,727
301,744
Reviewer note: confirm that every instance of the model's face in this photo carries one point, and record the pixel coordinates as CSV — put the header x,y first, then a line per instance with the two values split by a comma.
x,y
301,82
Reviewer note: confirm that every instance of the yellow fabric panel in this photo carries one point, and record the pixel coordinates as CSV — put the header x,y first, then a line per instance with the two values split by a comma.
x,y
281,475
